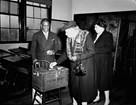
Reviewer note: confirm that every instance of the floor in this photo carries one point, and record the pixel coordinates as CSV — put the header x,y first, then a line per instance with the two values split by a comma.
x,y
123,93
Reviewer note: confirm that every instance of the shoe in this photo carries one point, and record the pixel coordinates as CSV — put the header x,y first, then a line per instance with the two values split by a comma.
x,y
95,102
96,99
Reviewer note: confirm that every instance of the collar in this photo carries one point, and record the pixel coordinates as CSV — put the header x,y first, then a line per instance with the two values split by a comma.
x,y
45,33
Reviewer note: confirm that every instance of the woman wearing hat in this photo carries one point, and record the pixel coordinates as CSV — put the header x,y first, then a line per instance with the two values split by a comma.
x,y
103,59
80,47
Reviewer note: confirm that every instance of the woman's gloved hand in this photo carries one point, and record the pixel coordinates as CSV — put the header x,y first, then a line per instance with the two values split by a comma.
x,y
52,64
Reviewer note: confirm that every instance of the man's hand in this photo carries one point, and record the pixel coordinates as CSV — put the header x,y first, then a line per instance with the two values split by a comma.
x,y
52,64
50,52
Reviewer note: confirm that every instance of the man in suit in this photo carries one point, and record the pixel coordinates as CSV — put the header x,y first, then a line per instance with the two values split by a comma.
x,y
44,43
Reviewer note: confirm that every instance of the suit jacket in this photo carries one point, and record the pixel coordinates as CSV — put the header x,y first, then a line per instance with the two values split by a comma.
x,y
40,46
104,44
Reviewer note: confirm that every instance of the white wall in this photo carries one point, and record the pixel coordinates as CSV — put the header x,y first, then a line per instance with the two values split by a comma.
x,y
96,6
62,9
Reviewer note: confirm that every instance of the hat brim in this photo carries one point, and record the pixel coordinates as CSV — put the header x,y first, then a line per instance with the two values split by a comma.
x,y
68,25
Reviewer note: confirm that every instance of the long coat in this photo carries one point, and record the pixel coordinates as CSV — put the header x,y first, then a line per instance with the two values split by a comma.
x,y
82,88
103,60
40,45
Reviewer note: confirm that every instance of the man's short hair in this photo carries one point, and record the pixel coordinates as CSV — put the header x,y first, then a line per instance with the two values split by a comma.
x,y
45,20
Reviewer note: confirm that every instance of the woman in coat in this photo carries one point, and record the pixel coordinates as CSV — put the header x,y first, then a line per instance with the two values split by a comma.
x,y
79,46
103,59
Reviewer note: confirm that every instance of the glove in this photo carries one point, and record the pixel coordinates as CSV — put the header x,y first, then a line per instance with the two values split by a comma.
x,y
74,58
52,64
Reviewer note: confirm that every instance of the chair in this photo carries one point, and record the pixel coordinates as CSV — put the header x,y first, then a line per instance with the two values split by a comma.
x,y
3,75
46,97
25,72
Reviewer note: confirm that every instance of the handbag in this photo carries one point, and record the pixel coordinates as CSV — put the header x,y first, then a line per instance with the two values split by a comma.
x,y
79,69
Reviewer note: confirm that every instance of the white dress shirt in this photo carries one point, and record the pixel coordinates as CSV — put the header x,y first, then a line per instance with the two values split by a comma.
x,y
45,34
98,35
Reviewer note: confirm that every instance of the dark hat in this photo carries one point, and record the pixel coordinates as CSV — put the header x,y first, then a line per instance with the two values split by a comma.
x,y
69,25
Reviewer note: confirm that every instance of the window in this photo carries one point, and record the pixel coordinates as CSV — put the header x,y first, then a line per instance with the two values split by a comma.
x,y
20,19
9,20
35,12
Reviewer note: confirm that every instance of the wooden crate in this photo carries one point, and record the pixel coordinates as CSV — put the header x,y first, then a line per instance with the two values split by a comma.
x,y
44,79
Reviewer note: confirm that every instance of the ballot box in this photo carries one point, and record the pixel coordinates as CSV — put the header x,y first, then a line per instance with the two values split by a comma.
x,y
46,79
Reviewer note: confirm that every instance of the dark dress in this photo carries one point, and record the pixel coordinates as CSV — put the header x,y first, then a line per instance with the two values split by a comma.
x,y
82,88
103,61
